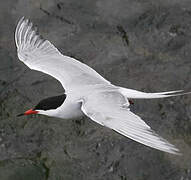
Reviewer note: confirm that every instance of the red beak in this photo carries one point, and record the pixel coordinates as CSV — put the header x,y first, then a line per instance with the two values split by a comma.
x,y
30,111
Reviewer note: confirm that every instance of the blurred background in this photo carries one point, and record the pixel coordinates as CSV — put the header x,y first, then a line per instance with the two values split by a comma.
x,y
139,44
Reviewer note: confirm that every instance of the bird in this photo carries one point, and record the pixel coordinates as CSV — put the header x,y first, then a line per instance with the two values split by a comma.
x,y
86,92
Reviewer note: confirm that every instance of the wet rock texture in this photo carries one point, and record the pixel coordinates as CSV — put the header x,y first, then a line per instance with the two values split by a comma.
x,y
140,44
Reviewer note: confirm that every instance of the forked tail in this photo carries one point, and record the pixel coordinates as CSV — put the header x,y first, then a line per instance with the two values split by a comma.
x,y
134,94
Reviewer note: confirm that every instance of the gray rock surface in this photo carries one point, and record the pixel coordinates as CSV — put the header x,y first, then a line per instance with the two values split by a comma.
x,y
145,45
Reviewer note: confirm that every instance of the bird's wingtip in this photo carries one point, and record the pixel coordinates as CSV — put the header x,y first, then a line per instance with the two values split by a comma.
x,y
21,20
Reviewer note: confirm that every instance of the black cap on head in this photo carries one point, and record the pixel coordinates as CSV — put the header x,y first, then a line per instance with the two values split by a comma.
x,y
50,103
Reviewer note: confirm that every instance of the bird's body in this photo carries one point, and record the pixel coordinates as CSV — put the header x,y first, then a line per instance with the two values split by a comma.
x,y
71,107
86,92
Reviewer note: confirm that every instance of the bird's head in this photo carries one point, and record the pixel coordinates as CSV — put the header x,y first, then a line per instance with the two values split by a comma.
x,y
46,106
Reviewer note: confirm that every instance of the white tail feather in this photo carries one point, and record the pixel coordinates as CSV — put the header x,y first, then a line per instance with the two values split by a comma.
x,y
134,94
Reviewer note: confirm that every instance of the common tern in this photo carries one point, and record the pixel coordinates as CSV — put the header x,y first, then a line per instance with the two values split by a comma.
x,y
86,91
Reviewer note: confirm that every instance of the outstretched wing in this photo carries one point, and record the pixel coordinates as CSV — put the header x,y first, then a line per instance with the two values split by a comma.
x,y
108,109
39,54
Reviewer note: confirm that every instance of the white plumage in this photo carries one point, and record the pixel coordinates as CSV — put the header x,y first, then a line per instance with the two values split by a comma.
x,y
88,92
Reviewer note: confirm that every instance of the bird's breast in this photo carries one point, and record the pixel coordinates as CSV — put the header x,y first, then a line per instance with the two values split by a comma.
x,y
70,110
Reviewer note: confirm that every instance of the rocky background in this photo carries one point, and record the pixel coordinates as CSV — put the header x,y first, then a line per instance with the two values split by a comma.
x,y
140,44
